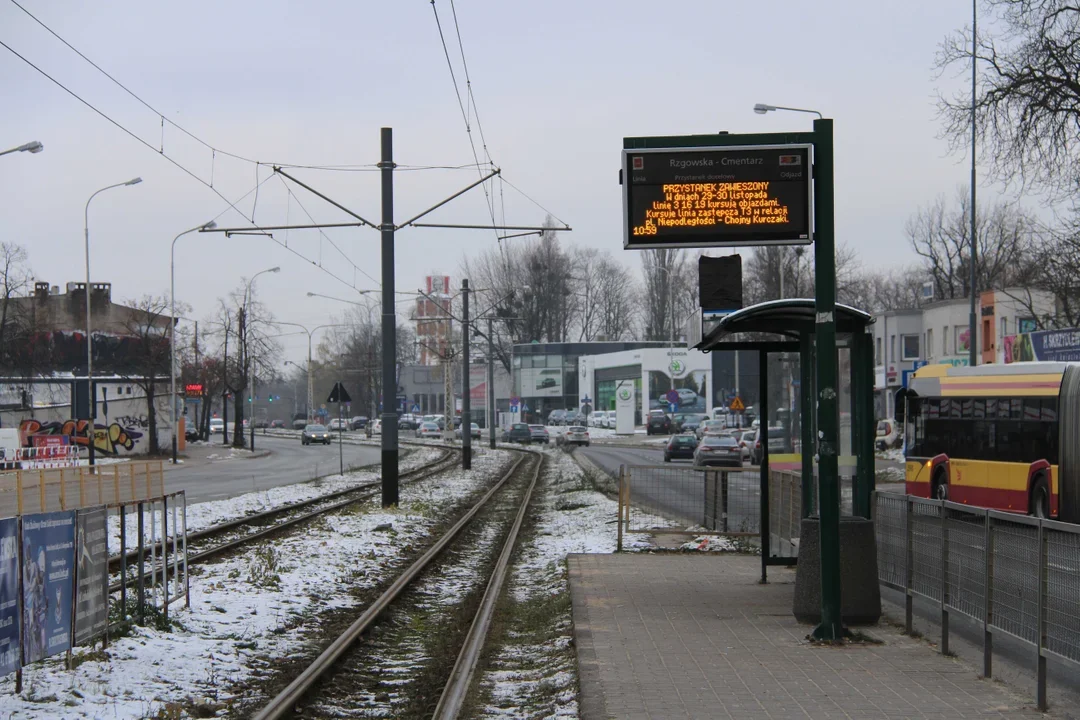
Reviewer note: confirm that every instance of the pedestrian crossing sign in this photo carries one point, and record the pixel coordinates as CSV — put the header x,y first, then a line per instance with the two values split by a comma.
x,y
737,405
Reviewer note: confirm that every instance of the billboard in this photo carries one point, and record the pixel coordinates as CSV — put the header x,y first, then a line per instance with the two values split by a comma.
x,y
9,595
1046,345
91,559
541,382
48,556
690,388
717,196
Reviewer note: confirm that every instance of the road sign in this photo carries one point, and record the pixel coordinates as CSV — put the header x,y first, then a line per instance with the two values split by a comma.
x,y
513,408
737,405
586,400
515,400
416,407
672,396
524,408
339,394
715,196
672,407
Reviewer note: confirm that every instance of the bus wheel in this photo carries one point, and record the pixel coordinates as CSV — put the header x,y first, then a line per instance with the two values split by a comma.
x,y
939,488
1039,505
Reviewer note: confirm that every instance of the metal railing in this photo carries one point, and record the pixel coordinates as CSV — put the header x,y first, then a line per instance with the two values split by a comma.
x,y
46,490
1017,575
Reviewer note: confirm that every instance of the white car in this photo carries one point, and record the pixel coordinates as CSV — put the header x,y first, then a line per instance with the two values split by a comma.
x,y
217,426
339,425
687,396
376,427
429,430
610,419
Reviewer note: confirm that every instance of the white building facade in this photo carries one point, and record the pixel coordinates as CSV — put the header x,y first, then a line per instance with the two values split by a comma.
x,y
655,372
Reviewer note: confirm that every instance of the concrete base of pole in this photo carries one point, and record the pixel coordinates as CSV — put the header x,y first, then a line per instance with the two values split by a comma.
x,y
860,594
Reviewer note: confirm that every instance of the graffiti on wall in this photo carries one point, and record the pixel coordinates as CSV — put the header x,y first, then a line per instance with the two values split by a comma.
x,y
112,439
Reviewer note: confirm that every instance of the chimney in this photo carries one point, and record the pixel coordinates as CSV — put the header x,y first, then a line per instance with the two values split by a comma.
x,y
55,289
101,293
41,290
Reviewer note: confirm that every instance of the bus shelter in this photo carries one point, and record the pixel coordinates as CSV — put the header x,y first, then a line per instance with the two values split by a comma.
x,y
781,333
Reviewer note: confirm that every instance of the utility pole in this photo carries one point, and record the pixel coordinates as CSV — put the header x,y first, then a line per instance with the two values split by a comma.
x,y
389,326
466,404
447,357
491,385
972,319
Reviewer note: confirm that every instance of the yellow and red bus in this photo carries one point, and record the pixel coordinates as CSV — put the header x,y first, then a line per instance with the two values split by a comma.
x,y
1005,437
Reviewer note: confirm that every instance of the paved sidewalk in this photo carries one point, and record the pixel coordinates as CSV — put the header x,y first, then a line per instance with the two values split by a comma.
x,y
691,636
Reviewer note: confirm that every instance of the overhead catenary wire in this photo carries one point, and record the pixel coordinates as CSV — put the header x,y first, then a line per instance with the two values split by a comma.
x,y
232,205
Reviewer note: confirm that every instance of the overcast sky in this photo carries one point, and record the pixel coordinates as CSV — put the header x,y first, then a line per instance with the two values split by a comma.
x,y
558,84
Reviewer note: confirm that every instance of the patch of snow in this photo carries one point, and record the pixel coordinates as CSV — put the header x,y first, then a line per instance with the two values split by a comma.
x,y
258,604
710,543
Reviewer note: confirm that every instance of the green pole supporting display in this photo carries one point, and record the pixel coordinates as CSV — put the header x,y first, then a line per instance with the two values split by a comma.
x,y
869,422
806,408
831,627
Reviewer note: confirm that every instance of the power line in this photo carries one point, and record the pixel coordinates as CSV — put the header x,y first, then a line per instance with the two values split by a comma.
x,y
232,205
534,202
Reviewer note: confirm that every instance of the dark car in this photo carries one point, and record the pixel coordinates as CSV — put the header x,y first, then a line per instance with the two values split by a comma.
x,y
556,417
658,423
262,424
680,447
575,418
539,434
689,422
358,423
299,421
277,424
519,433
315,434
720,450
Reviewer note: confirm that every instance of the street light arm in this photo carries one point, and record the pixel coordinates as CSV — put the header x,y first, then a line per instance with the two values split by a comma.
x,y
33,147
762,108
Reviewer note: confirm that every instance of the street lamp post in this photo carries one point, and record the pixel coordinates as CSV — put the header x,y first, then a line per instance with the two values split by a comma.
x,y
310,381
31,147
247,348
91,397
172,331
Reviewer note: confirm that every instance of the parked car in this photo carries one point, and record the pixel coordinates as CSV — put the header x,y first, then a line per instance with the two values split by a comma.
x,y
746,441
262,424
338,425
574,435
721,450
217,426
689,422
315,434
475,432
277,424
428,430
556,417
374,427
539,434
595,417
575,417
680,447
299,421
777,439
658,423
408,422
519,433
888,435
358,423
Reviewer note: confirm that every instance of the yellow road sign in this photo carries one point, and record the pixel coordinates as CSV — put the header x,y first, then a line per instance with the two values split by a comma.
x,y
737,405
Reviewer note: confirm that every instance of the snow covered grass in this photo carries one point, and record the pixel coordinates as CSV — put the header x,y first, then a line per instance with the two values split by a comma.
x,y
247,611
892,454
206,514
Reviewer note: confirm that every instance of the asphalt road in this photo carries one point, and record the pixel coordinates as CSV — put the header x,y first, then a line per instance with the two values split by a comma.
x,y
289,462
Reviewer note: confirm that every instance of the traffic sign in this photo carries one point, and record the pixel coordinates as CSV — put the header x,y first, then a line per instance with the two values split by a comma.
x,y
524,408
513,408
672,396
339,394
515,400
672,407
737,405
416,407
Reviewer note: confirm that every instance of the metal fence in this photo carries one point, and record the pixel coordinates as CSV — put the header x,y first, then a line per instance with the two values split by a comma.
x,y
1017,575
46,490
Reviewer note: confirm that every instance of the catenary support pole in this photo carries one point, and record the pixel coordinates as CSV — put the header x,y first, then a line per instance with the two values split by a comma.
x,y
831,627
972,319
389,326
466,384
491,386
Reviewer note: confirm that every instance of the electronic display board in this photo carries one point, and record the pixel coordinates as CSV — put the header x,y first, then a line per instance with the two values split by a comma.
x,y
717,196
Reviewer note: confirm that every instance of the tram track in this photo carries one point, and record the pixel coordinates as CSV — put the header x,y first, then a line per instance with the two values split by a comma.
x,y
286,516
469,561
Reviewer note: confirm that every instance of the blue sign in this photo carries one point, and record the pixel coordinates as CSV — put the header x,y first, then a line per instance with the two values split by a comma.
x,y
9,595
586,400
48,565
416,407
672,407
1044,345
524,408
672,396
513,408
918,364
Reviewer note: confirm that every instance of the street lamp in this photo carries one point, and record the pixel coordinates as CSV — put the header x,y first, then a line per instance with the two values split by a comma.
x,y
247,348
310,380
762,108
89,339
32,147
172,332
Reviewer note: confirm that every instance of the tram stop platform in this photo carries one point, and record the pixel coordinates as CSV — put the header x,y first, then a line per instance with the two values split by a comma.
x,y
697,636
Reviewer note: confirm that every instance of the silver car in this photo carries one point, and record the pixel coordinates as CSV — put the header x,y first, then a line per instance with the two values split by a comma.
x,y
429,430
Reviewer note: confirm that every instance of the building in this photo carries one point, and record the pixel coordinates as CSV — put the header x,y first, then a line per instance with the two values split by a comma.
x,y
433,323
546,376
938,332
654,371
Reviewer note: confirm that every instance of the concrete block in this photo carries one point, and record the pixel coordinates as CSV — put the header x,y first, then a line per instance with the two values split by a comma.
x,y
860,594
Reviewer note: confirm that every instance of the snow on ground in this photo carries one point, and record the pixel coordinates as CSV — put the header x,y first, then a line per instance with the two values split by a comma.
x,y
892,454
256,605
206,514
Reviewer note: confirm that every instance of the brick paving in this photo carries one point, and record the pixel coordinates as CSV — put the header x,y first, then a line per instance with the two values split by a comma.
x,y
692,636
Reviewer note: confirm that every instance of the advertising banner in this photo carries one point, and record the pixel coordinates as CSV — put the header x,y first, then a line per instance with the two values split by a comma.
x,y
91,558
1044,345
541,382
690,388
9,595
48,560
625,405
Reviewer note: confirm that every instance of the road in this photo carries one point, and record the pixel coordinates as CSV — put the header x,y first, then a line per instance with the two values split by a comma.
x,y
289,462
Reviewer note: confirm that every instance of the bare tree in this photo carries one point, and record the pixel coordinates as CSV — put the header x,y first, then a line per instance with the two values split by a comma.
x,y
1027,105
147,323
669,292
941,236
15,282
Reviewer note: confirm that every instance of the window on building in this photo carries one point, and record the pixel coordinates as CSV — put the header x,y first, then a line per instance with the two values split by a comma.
x,y
930,342
987,335
892,348
962,344
1004,326
878,360
945,340
909,347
